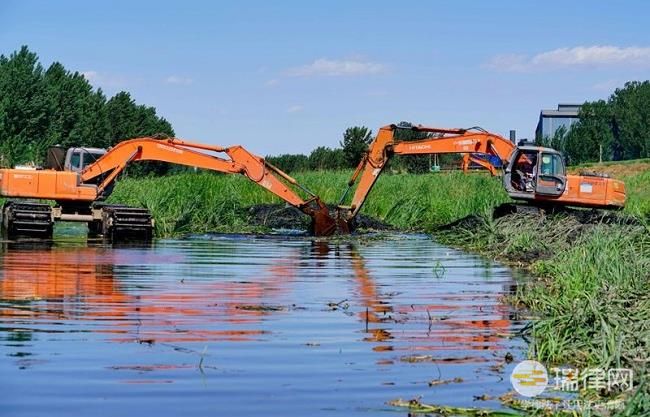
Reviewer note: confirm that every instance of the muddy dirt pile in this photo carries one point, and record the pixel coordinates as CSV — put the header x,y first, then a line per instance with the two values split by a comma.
x,y
278,216
507,211
514,224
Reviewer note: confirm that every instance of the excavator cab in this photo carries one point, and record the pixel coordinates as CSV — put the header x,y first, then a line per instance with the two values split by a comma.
x,y
76,159
534,170
73,159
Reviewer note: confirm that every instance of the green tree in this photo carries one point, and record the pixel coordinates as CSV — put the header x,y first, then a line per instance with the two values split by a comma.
x,y
77,115
591,137
630,106
614,129
24,107
323,158
128,120
40,108
290,162
557,142
355,143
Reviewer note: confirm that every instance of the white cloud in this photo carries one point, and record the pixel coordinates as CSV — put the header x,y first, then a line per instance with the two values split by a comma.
x,y
100,79
178,80
579,56
337,68
272,83
90,75
295,109
608,86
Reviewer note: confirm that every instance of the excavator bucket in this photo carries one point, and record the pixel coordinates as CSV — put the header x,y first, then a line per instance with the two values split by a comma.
x,y
343,227
322,224
345,222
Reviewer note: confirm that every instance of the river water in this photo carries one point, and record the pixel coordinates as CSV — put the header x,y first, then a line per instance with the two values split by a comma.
x,y
242,325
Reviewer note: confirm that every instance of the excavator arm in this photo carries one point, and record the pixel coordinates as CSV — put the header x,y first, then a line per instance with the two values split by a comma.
x,y
473,158
105,170
465,141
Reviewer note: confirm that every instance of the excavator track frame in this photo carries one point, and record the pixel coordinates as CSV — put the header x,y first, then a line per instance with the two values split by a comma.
x,y
27,219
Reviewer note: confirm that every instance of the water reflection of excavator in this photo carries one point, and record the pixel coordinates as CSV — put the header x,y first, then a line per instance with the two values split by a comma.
x,y
533,174
79,178
473,326
80,284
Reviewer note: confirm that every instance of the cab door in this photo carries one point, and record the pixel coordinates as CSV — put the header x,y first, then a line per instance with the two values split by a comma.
x,y
551,174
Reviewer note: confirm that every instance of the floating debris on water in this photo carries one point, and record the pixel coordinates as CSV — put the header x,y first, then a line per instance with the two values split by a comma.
x,y
260,307
436,382
415,406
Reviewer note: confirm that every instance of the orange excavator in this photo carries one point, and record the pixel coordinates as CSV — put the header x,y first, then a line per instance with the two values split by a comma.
x,y
534,174
79,179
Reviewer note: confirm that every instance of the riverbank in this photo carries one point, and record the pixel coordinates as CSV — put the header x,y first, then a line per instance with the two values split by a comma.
x,y
590,298
589,301
205,202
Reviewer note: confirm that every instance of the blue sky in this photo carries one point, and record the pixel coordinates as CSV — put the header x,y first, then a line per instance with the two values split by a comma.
x,y
289,76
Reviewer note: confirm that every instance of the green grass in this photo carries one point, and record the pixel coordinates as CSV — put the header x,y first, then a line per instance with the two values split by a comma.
x,y
592,287
202,202
610,163
590,295
638,194
590,292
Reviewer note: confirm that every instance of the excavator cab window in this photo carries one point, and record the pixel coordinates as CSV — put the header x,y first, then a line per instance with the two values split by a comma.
x,y
91,157
552,174
524,171
551,165
75,161
79,158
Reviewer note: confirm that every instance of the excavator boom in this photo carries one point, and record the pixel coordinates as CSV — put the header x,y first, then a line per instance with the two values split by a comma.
x,y
384,147
180,152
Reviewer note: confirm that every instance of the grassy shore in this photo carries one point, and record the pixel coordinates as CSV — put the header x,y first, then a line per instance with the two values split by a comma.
x,y
203,202
590,297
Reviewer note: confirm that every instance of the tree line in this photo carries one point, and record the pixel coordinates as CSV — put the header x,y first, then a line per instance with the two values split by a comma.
x,y
354,143
43,107
608,130
353,146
